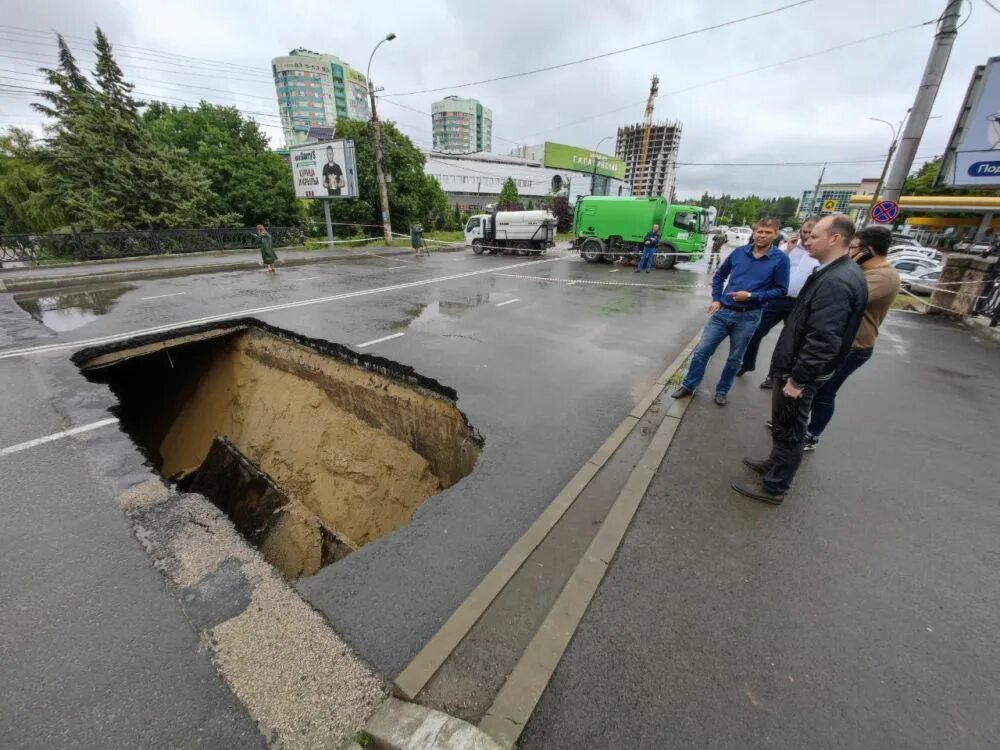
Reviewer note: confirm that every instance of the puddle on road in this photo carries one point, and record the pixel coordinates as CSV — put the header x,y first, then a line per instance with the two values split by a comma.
x,y
454,308
311,449
70,310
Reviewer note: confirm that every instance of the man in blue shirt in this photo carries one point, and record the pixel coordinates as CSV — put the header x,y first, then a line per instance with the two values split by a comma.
x,y
756,273
649,243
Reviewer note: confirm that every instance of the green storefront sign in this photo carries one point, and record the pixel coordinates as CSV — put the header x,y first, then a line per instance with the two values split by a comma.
x,y
561,156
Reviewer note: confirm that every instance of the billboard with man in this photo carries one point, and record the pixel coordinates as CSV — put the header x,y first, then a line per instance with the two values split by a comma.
x,y
973,155
324,170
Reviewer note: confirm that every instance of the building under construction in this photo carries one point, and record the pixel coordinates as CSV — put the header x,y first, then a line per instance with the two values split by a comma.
x,y
657,174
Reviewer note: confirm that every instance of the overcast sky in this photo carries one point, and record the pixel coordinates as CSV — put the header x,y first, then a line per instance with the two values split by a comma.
x,y
813,109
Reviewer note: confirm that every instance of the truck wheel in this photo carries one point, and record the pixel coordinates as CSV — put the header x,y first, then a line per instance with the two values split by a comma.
x,y
523,248
477,247
665,257
592,249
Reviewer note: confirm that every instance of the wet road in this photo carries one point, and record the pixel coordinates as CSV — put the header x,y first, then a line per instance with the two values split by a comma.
x,y
546,356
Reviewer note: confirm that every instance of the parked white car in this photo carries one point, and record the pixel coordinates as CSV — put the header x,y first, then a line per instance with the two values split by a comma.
x,y
921,281
738,236
911,263
927,252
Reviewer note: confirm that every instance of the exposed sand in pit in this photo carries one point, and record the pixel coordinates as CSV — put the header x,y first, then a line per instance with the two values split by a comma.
x,y
359,450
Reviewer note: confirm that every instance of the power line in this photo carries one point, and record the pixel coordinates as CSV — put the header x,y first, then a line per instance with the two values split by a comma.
x,y
142,50
609,54
817,163
995,8
735,75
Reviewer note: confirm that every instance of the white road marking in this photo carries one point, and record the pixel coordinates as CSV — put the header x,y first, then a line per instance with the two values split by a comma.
x,y
392,267
614,270
261,310
509,302
57,436
161,296
306,278
379,341
573,283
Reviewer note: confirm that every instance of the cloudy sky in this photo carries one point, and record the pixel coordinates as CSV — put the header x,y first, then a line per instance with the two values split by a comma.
x,y
811,109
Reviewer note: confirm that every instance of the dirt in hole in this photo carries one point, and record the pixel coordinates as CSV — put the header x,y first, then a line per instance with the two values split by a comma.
x,y
311,449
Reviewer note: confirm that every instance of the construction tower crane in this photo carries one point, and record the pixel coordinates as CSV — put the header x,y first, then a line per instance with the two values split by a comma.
x,y
640,184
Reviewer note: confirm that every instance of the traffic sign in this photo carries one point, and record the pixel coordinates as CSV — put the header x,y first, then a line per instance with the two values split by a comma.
x,y
885,211
830,205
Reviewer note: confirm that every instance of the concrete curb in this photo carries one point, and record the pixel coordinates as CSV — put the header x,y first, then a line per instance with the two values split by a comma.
x,y
74,280
398,725
981,326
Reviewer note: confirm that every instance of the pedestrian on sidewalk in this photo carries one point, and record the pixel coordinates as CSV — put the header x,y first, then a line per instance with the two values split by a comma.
x,y
868,249
817,337
649,243
801,265
752,275
267,253
718,240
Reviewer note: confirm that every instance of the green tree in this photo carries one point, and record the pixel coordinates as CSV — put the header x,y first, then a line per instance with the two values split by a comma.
x,y
508,200
104,169
412,197
23,206
247,179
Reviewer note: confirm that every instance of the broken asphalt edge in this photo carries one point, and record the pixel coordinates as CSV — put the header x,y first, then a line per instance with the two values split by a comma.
x,y
398,725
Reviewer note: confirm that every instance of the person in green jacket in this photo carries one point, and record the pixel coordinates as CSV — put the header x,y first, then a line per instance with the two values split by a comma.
x,y
266,248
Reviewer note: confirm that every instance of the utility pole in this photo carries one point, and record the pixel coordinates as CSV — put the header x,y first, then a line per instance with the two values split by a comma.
x,y
937,61
383,194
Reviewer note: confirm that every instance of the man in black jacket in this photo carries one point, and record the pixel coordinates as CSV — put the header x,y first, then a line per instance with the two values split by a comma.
x,y
817,336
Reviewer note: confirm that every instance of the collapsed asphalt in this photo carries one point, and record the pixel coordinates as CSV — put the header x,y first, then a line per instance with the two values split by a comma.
x,y
544,378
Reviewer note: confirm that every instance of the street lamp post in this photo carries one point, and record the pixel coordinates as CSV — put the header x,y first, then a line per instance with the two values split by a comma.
x,y
593,174
383,195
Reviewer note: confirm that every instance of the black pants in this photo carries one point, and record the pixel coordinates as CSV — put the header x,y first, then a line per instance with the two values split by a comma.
x,y
775,311
789,418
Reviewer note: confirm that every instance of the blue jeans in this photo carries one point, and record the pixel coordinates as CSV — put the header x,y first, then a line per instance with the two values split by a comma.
x,y
738,327
646,259
826,396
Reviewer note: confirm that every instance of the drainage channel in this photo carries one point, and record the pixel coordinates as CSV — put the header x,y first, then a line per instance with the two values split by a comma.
x,y
312,450
469,679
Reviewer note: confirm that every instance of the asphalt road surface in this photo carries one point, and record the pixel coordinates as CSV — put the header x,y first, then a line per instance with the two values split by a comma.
x,y
860,614
545,363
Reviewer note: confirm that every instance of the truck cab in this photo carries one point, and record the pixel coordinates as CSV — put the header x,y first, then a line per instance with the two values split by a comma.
x,y
478,227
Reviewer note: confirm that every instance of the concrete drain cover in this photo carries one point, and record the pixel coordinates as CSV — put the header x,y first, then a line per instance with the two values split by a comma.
x,y
311,449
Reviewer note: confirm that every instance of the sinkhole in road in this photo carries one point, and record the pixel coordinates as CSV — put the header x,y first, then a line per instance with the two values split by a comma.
x,y
310,448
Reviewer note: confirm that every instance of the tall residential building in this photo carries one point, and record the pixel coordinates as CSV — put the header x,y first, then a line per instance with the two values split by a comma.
x,y
658,174
461,126
317,89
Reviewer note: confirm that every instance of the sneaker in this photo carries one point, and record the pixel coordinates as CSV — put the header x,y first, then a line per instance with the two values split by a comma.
x,y
767,384
811,443
720,399
743,371
681,391
758,492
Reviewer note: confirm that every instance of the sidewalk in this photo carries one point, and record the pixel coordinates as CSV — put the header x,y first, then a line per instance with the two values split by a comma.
x,y
861,613
146,267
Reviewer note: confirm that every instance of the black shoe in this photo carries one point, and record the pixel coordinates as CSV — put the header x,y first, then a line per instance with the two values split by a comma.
x,y
767,384
681,392
720,399
743,371
760,467
758,492
811,443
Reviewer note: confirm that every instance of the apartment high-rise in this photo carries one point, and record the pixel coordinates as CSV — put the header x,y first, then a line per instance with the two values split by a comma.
x,y
658,174
317,89
461,126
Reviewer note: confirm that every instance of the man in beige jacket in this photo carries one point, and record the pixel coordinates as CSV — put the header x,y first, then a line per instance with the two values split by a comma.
x,y
868,248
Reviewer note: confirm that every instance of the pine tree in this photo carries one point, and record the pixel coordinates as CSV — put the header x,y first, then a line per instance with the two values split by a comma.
x,y
508,200
72,86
